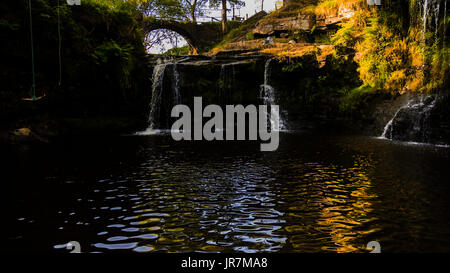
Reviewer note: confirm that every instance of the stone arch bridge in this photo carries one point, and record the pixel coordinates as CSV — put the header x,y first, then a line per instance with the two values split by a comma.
x,y
198,36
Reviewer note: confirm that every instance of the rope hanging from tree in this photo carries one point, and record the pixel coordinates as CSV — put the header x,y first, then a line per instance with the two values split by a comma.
x,y
33,86
33,73
59,46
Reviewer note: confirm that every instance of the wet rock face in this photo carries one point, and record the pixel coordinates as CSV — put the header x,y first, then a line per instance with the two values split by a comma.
x,y
440,121
423,119
218,80
412,122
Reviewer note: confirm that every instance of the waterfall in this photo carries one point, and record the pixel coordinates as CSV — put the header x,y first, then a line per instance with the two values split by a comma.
x,y
176,84
445,25
157,88
268,95
222,79
424,18
388,127
267,71
436,17
411,122
431,10
157,93
227,78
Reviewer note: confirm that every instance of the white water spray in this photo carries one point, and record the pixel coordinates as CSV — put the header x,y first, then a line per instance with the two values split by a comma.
x,y
268,95
157,89
418,113
388,126
176,85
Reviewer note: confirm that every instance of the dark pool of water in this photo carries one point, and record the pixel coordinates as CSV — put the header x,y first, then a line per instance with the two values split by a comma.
x,y
316,193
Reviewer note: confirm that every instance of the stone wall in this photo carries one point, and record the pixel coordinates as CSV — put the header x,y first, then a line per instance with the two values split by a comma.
x,y
287,21
288,24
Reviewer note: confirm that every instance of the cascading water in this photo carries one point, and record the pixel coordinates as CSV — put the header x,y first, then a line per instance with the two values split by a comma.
x,y
268,95
436,18
222,79
176,84
411,122
387,130
430,11
157,90
444,30
424,18
227,80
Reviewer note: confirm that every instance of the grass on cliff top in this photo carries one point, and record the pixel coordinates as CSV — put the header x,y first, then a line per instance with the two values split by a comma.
x,y
285,51
301,6
239,32
319,8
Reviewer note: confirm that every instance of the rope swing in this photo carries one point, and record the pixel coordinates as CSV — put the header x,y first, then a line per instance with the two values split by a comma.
x,y
33,86
59,47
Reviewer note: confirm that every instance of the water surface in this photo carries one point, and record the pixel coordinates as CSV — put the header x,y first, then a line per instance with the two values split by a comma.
x,y
316,193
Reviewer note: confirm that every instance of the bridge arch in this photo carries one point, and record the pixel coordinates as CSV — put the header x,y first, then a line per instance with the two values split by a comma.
x,y
198,36
177,27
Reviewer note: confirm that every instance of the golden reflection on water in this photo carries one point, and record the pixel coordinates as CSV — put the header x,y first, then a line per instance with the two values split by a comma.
x,y
343,202
348,212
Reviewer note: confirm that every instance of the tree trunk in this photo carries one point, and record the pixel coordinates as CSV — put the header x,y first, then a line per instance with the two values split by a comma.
x,y
232,18
262,5
193,8
287,2
224,16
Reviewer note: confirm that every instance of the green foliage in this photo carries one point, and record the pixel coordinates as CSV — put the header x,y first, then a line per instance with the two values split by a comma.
x,y
102,52
292,66
165,9
303,36
111,50
439,65
393,53
344,37
178,51
4,24
233,34
317,90
355,102
323,38
109,53
238,31
383,56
